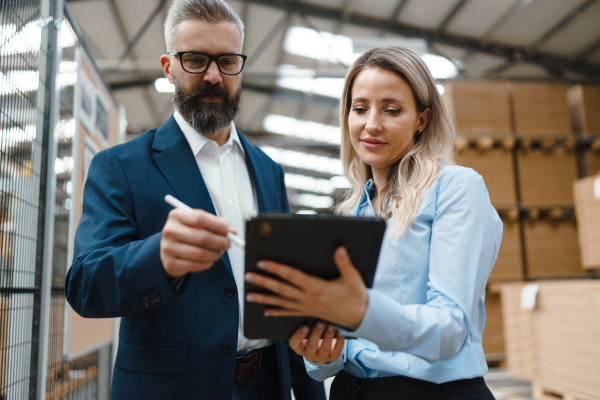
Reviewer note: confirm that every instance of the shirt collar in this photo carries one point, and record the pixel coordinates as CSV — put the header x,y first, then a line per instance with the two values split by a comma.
x,y
197,140
366,197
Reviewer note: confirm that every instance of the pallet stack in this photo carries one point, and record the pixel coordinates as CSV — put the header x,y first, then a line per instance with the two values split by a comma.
x,y
584,102
519,137
556,342
556,345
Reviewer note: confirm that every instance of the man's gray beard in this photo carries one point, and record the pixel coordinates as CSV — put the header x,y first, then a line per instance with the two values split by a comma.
x,y
208,118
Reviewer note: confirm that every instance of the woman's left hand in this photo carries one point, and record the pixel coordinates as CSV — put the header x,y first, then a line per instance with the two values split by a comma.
x,y
342,301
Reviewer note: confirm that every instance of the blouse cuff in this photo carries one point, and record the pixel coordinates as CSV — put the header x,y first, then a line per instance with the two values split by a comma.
x,y
374,321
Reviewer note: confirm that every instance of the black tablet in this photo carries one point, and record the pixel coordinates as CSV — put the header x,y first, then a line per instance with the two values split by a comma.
x,y
306,242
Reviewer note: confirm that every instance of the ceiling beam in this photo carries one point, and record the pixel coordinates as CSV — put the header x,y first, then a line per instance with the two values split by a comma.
x,y
281,93
153,110
563,23
496,49
143,29
451,15
587,52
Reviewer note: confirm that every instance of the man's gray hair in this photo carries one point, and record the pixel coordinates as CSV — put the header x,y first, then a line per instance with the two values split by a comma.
x,y
205,10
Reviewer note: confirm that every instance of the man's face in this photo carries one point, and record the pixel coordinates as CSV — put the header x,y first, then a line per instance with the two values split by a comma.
x,y
208,101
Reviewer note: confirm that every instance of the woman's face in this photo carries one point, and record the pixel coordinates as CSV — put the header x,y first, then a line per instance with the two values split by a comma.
x,y
383,118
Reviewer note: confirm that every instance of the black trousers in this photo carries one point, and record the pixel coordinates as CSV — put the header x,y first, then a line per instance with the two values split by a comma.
x,y
347,387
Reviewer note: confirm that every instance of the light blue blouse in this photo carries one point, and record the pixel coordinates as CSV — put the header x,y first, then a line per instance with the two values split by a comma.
x,y
425,312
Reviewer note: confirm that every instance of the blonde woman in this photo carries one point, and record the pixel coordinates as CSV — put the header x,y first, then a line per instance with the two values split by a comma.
x,y
418,330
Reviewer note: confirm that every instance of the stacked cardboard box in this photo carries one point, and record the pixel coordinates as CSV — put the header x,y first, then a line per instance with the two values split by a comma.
x,y
486,144
557,343
540,109
483,120
587,208
584,101
547,167
518,137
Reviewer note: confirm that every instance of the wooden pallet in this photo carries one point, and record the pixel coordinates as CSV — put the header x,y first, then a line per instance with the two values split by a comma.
x,y
547,391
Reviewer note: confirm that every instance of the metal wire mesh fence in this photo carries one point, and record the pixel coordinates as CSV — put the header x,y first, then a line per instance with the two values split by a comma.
x,y
24,123
27,132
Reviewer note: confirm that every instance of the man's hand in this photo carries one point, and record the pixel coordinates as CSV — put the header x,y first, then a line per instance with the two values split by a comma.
x,y
317,347
192,240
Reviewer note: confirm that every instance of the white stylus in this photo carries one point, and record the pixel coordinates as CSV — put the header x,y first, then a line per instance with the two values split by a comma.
x,y
179,204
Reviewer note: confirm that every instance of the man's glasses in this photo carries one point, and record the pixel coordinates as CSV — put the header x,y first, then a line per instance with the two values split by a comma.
x,y
196,62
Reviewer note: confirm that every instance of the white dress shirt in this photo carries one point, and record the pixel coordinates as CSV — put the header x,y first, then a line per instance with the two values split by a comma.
x,y
226,176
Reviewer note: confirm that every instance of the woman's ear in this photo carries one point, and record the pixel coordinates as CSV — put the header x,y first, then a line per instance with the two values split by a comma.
x,y
424,119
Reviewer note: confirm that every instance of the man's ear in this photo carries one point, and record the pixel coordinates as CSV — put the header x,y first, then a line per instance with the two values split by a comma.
x,y
165,62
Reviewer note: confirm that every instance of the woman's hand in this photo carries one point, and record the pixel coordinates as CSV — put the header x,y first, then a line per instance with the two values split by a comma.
x,y
342,301
317,347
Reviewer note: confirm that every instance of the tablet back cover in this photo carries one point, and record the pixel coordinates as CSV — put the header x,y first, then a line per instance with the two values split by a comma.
x,y
306,242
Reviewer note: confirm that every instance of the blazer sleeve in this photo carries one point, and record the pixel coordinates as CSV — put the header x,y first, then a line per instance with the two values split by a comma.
x,y
285,206
113,273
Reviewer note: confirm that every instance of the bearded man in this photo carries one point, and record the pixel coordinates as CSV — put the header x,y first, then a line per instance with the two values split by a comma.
x,y
172,274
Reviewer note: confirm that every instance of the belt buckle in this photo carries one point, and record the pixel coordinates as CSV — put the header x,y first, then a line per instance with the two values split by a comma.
x,y
246,366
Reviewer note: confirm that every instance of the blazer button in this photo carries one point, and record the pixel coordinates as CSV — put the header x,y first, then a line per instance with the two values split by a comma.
x,y
226,347
229,291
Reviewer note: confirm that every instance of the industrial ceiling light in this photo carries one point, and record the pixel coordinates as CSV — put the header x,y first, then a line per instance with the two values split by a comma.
x,y
440,67
308,183
326,46
289,126
329,87
162,85
29,38
312,201
299,159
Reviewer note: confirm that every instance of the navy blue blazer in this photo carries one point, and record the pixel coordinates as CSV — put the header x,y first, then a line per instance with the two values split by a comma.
x,y
172,344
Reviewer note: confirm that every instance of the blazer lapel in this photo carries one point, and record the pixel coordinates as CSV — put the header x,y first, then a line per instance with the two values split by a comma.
x,y
262,178
175,160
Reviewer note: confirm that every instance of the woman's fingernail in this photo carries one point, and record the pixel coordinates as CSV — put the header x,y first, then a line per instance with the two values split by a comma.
x,y
320,325
330,328
342,253
249,278
304,329
261,265
267,313
250,298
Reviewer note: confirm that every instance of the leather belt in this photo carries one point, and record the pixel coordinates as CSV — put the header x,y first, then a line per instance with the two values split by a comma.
x,y
247,366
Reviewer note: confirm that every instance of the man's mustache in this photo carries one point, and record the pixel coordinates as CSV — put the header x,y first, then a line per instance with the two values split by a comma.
x,y
209,89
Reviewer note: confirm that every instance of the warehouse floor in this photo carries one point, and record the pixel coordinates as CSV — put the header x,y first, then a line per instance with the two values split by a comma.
x,y
504,387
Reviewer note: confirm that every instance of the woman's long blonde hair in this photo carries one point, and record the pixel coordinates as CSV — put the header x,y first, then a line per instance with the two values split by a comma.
x,y
422,164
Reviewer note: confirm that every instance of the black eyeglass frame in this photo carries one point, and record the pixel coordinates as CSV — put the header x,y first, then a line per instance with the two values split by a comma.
x,y
210,57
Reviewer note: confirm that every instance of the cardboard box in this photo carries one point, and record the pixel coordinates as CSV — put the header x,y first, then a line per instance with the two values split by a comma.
x,y
545,178
481,107
496,166
540,109
509,265
551,248
587,212
591,162
493,333
584,103
559,340
519,335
